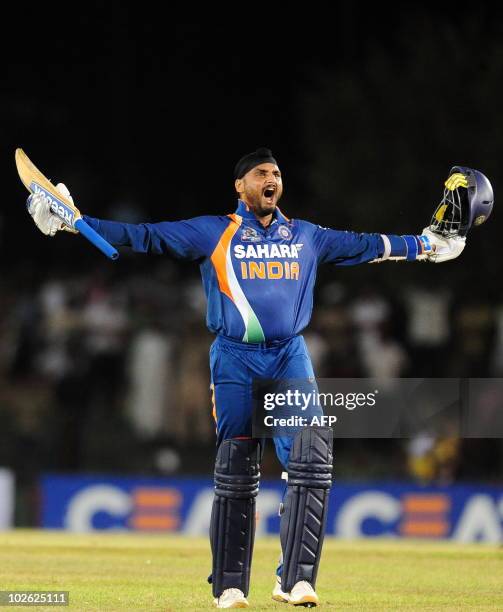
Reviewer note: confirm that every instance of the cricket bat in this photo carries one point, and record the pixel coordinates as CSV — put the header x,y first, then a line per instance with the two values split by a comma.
x,y
61,206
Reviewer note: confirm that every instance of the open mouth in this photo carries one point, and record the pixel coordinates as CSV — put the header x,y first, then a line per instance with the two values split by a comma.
x,y
269,192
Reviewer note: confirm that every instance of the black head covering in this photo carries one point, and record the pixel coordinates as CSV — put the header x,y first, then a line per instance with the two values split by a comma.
x,y
249,161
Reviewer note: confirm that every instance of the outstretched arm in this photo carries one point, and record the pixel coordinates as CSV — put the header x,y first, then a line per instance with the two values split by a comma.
x,y
190,239
467,201
351,248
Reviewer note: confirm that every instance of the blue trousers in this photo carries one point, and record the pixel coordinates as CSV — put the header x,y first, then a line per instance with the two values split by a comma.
x,y
234,365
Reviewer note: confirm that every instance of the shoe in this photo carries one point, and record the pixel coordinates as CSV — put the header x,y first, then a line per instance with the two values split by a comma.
x,y
278,594
303,594
231,598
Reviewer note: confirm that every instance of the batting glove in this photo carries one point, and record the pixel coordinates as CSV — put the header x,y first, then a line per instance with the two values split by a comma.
x,y
39,208
444,249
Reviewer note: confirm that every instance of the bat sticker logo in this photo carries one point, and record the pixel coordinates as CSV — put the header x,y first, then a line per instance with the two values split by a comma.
x,y
38,184
57,207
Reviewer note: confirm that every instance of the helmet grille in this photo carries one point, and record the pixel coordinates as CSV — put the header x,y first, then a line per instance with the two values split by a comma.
x,y
448,218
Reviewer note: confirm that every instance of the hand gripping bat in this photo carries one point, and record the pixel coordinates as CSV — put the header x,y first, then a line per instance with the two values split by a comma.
x,y
61,206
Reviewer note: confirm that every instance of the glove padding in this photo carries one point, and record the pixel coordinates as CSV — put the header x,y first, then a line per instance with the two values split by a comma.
x,y
46,221
444,248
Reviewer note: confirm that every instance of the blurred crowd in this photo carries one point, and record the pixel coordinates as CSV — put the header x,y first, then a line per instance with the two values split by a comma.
x,y
108,370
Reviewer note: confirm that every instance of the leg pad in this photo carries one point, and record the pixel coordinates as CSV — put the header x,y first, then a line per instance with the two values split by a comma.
x,y
232,528
302,527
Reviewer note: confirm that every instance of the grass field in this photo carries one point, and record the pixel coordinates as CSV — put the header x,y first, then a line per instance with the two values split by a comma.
x,y
117,571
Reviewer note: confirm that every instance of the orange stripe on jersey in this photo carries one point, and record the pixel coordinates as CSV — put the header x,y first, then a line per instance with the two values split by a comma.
x,y
213,404
219,255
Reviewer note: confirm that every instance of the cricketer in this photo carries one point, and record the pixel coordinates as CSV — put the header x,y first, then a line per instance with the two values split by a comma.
x,y
258,269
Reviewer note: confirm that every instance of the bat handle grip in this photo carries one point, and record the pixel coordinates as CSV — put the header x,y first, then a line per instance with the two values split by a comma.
x,y
98,241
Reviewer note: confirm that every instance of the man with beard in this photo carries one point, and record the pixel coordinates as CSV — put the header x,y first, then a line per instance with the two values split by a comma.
x,y
258,269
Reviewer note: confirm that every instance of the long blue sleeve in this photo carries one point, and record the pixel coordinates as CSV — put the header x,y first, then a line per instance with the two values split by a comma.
x,y
189,239
344,248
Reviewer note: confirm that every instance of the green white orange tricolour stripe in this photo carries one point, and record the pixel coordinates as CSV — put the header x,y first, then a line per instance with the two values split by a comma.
x,y
228,282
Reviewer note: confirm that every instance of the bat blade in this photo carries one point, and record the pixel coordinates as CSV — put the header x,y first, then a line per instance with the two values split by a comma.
x,y
62,207
36,183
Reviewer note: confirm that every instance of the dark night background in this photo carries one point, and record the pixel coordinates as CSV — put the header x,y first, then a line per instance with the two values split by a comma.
x,y
365,110
144,117
366,118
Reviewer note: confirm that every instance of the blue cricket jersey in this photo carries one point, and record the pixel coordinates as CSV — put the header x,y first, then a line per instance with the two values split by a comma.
x,y
258,281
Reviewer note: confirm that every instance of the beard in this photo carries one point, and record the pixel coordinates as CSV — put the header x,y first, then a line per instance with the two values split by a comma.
x,y
262,205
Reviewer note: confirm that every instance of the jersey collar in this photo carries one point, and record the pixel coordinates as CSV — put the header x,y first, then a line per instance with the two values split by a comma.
x,y
243,211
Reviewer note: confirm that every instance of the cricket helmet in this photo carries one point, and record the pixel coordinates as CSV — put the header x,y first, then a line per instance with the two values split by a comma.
x,y
468,201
